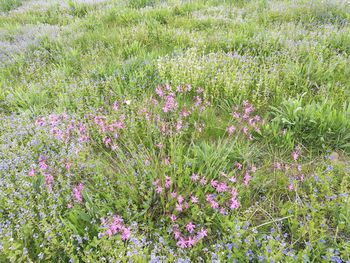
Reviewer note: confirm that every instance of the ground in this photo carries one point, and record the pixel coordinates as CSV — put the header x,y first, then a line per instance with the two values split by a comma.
x,y
174,131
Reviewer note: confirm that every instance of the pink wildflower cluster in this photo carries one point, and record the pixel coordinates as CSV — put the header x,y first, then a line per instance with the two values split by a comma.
x,y
191,237
44,169
63,127
115,225
31,172
245,121
292,170
77,192
109,129
175,111
77,195
220,196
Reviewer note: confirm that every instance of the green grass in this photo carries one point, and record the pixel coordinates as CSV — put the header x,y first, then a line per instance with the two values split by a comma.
x,y
7,5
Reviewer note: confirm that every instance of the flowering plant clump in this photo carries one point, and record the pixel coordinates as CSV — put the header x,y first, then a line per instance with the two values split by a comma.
x,y
115,225
245,121
293,171
215,198
172,110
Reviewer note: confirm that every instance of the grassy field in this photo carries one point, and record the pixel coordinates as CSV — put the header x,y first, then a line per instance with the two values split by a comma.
x,y
174,131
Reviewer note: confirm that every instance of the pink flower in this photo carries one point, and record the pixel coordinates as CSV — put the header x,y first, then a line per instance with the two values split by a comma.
x,y
156,182
177,234
295,155
234,204
118,124
69,205
223,211
178,126
167,182
234,192
214,183
291,187
194,199
184,113
170,104
182,243
236,115
203,181
178,207
159,189
31,172
194,177
198,101
109,232
117,219
168,87
202,233
233,179
166,161
245,130
191,241
190,227
42,164
299,168
173,218
238,166
77,192
115,106
209,198
214,204
49,181
173,195
221,187
180,199
248,108
230,130
126,233
200,90
68,166
107,141
278,166
116,225
40,122
247,178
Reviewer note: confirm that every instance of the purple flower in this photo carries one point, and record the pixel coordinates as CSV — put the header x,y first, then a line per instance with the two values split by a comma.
x,y
126,233
190,227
